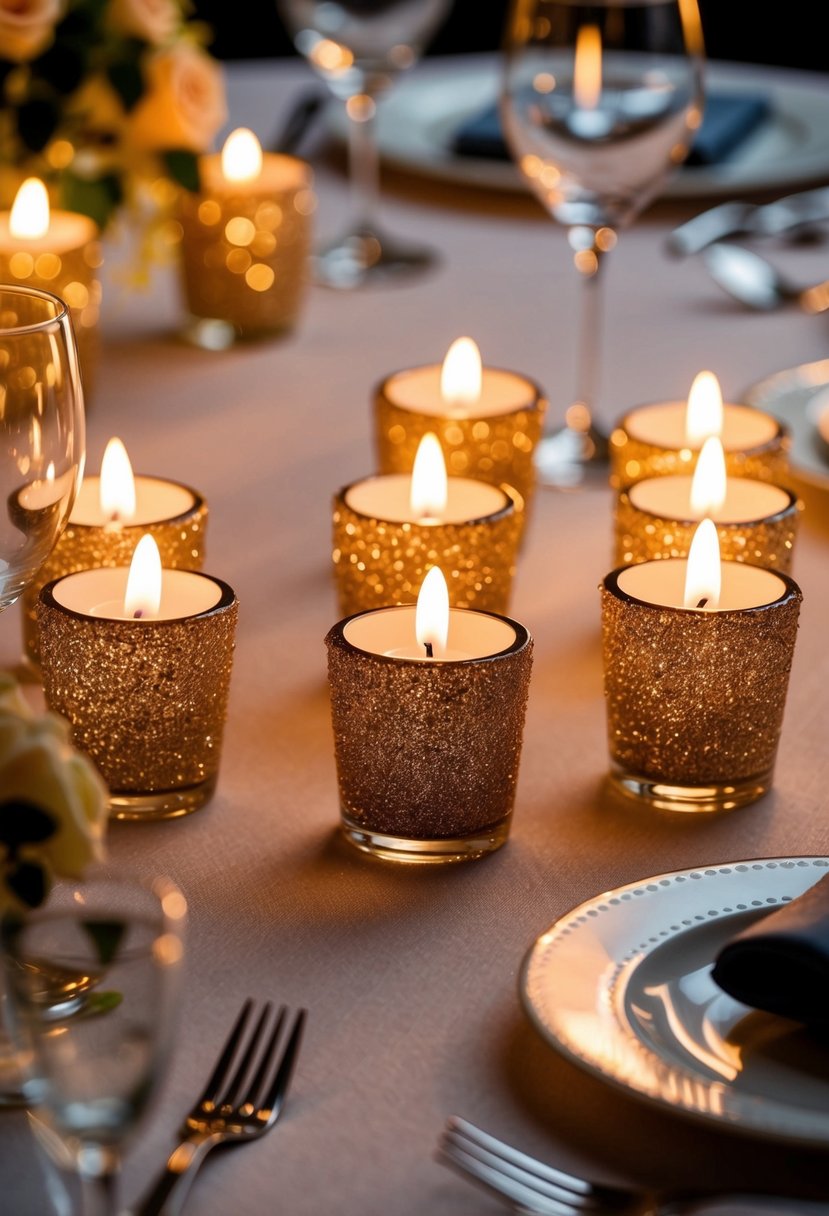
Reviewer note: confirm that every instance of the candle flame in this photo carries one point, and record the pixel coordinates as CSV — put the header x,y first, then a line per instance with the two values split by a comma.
x,y
709,484
703,577
427,497
460,376
143,595
432,613
241,156
704,414
29,218
587,72
117,492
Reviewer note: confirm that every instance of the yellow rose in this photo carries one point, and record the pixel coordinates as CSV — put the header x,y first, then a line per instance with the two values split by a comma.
x,y
153,20
184,105
26,27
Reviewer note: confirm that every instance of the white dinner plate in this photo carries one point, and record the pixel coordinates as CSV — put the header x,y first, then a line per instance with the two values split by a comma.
x,y
622,986
799,396
419,118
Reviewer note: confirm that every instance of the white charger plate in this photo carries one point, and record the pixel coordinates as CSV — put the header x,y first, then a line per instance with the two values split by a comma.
x,y
418,120
622,986
799,396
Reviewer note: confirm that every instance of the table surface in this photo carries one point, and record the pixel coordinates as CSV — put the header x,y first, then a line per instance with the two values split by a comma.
x,y
410,975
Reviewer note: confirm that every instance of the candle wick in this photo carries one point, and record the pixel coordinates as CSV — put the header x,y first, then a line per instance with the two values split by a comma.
x,y
137,615
429,650
703,602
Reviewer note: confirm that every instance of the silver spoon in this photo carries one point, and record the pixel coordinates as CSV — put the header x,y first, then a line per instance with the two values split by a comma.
x,y
752,280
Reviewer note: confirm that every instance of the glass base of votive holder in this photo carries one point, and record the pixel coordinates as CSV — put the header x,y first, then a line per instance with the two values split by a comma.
x,y
708,799
216,334
161,804
425,852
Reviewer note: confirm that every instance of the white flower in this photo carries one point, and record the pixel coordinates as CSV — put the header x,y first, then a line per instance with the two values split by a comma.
x,y
153,20
184,105
26,27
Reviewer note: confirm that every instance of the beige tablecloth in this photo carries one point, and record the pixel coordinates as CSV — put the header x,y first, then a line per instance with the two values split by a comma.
x,y
410,976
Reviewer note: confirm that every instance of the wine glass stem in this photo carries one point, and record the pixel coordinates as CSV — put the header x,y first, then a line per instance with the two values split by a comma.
x,y
588,354
98,1170
364,158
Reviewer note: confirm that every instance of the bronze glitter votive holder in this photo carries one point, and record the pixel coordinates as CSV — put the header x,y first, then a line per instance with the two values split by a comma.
x,y
427,751
695,698
380,562
146,699
180,540
643,535
496,447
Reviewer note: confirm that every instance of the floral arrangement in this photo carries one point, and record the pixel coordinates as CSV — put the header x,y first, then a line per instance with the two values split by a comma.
x,y
100,96
53,804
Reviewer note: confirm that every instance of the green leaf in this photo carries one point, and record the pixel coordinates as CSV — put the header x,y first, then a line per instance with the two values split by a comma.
x,y
37,121
107,936
126,78
23,822
183,167
101,1002
96,197
28,882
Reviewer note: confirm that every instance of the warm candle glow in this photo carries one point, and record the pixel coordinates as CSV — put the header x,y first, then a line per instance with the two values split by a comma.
x,y
143,595
703,577
29,218
241,156
587,72
429,491
432,614
703,416
117,492
460,376
708,487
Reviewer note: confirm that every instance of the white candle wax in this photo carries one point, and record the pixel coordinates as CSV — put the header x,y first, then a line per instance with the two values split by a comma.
x,y
100,593
663,583
745,500
418,390
388,497
663,425
67,230
278,174
156,500
391,632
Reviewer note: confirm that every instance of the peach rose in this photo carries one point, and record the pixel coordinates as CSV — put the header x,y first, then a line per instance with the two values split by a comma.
x,y
184,105
26,27
153,20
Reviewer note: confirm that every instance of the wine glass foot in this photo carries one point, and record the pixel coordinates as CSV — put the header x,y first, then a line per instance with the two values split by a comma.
x,y
365,256
570,458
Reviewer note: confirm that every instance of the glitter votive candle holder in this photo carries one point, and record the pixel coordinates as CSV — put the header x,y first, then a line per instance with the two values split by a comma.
x,y
427,751
382,561
650,442
493,440
174,514
695,698
244,251
146,698
757,523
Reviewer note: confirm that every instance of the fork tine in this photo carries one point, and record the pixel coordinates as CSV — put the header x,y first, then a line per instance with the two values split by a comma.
x,y
527,1178
462,1127
523,1198
275,1097
266,1059
211,1089
243,1067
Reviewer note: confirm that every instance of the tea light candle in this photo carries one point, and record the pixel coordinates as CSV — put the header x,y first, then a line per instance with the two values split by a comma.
x,y
427,748
756,521
696,664
488,420
245,242
56,251
665,438
110,514
388,531
139,660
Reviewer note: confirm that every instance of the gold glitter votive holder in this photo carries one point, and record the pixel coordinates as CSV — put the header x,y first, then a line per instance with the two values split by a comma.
x,y
695,698
380,562
244,254
180,540
427,751
496,447
146,699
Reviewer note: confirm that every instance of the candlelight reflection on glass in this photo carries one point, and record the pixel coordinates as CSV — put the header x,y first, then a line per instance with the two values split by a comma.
x,y
428,706
697,655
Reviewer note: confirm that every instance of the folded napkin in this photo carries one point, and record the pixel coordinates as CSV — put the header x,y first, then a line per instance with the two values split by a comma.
x,y
781,962
728,119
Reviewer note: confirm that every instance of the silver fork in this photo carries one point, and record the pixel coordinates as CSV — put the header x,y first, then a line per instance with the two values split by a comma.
x,y
235,1107
537,1189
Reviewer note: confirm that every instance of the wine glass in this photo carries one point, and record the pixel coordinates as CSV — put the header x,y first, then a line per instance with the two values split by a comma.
x,y
359,47
600,103
92,978
41,431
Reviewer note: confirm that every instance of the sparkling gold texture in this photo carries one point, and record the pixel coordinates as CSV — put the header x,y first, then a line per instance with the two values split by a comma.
x,y
81,547
696,698
642,536
146,699
427,751
498,449
378,563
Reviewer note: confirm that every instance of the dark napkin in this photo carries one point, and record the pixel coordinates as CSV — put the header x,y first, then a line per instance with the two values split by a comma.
x,y
728,119
781,962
